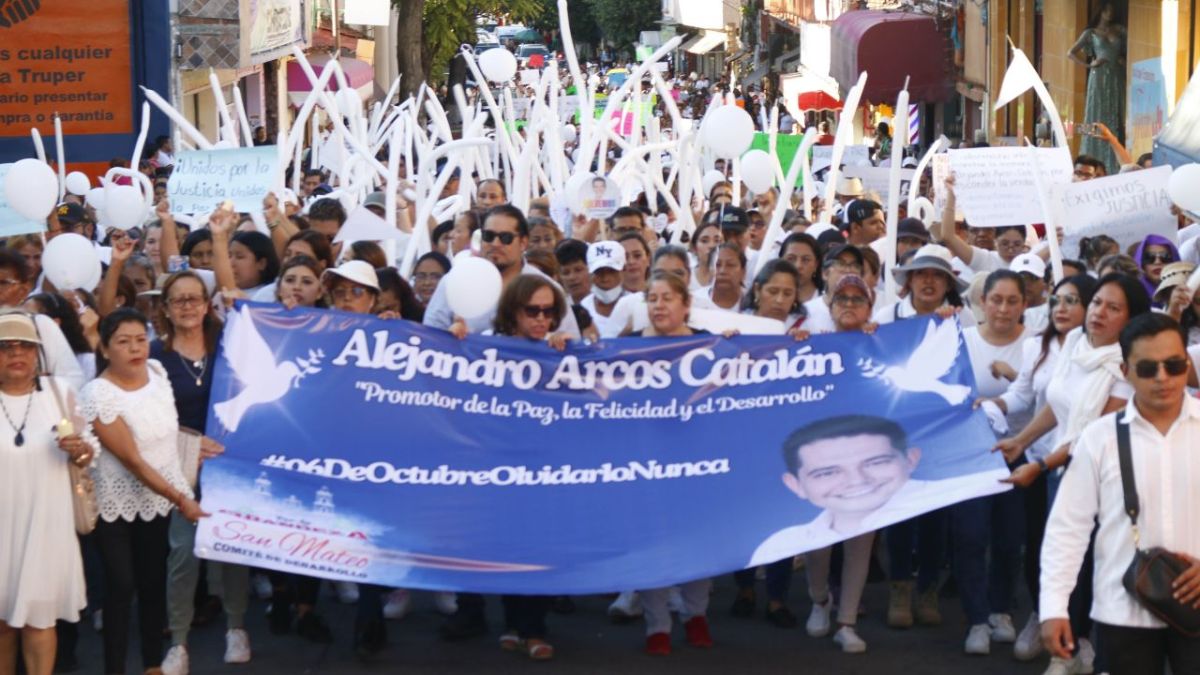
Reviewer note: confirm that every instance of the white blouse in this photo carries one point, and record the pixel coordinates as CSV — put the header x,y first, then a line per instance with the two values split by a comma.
x,y
150,414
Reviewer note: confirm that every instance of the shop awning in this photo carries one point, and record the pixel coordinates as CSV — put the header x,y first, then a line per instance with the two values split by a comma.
x,y
704,42
890,46
360,75
810,92
1179,141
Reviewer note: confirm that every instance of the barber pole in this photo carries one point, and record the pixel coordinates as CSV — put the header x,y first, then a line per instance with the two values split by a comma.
x,y
914,123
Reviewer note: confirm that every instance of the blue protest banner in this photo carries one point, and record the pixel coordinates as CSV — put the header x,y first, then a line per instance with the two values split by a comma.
x,y
388,452
11,222
203,179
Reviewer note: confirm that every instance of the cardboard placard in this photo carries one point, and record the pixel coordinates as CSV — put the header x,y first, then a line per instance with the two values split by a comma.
x,y
1126,207
203,179
996,186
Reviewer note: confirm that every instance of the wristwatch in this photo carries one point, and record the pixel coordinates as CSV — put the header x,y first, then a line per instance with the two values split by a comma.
x,y
1042,465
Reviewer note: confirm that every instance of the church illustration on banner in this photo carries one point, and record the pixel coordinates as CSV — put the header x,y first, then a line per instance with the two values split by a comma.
x,y
322,503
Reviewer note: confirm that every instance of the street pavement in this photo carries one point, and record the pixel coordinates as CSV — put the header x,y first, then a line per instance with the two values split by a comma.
x,y
586,642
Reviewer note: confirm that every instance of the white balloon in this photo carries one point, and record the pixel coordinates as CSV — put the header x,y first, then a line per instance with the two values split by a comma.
x,y
498,65
78,183
1184,187
95,198
728,131
124,207
472,287
923,210
711,178
70,261
31,188
758,171
568,132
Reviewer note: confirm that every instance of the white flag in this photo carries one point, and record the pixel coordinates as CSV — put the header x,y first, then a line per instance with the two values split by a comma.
x,y
1017,80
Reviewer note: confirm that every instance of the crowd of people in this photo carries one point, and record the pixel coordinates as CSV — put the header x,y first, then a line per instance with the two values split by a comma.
x,y
132,361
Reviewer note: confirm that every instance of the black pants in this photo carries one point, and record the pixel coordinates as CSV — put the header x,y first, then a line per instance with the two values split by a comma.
x,y
135,561
1037,509
300,589
1145,651
526,614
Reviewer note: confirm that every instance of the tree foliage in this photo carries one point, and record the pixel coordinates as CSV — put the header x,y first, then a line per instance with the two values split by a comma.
x,y
621,21
447,24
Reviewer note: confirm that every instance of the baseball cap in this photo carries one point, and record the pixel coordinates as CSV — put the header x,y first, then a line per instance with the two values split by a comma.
x,y
852,281
376,198
18,327
1029,263
729,217
605,254
914,228
358,271
70,213
837,251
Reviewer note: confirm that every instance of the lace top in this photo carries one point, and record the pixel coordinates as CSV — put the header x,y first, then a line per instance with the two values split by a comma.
x,y
149,412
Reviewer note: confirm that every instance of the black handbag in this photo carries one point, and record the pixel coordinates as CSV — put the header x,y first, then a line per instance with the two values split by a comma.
x,y
1153,570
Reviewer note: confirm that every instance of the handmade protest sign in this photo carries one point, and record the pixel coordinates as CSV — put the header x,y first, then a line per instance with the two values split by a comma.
x,y
854,155
11,222
875,179
316,479
1126,207
995,186
203,179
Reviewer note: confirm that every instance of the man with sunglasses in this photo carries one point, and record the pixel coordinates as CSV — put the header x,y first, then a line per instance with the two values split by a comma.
x,y
15,284
1164,423
505,236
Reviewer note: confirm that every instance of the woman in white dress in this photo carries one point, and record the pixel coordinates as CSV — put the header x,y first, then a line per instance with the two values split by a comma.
x,y
41,572
138,481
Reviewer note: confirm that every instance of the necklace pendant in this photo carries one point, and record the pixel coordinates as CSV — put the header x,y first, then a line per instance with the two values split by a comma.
x,y
20,438
198,364
199,382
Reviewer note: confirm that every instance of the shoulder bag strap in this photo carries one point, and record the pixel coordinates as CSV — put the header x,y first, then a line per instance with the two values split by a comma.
x,y
1125,455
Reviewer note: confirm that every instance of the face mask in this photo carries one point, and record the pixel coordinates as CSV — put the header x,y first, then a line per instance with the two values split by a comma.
x,y
607,297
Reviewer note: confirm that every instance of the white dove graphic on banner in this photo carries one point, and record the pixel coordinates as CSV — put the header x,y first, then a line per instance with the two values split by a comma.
x,y
255,367
926,366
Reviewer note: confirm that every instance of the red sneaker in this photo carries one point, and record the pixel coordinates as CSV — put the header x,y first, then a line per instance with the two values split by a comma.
x,y
658,644
697,632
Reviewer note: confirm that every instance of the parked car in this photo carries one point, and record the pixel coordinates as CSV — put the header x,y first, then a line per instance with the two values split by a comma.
x,y
533,56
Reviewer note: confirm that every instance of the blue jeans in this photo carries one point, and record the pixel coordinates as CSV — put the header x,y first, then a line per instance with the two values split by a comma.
x,y
927,535
997,521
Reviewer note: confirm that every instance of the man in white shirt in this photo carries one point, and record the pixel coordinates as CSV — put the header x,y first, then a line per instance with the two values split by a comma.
x,y
505,237
606,262
15,285
1164,427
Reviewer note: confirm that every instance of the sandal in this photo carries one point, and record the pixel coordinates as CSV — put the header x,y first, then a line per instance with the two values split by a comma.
x,y
510,642
539,650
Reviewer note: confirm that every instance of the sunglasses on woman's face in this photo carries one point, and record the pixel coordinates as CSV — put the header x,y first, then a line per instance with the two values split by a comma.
x,y
534,311
1148,368
505,238
1152,258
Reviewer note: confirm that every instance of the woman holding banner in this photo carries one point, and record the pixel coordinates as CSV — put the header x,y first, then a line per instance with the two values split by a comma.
x,y
186,351
850,307
139,483
986,582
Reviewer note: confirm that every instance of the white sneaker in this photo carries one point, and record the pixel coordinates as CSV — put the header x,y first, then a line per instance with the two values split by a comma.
x,y
675,600
262,587
396,605
979,639
1086,657
445,602
818,619
1029,643
1003,629
628,605
849,640
347,592
237,646
176,662
98,621
1061,666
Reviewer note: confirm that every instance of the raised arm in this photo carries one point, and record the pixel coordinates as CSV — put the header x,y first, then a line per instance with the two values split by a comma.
x,y
222,223
106,301
946,234
169,244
